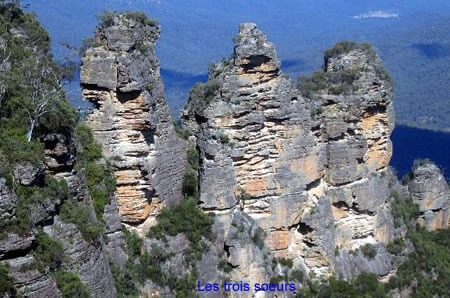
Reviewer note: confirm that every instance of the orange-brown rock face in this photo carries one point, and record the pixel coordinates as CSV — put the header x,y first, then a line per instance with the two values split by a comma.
x,y
131,118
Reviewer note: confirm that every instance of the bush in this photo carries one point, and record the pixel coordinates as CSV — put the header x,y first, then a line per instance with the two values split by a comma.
x,y
142,47
193,158
49,252
134,243
190,183
78,213
125,280
203,93
297,275
285,262
369,251
421,162
310,85
426,270
224,266
99,177
258,237
17,150
277,279
70,285
183,133
101,184
90,150
33,202
404,211
396,247
185,218
7,288
140,17
224,139
345,47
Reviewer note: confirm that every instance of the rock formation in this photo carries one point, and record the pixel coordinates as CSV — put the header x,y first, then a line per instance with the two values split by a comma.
x,y
296,173
311,172
120,76
430,191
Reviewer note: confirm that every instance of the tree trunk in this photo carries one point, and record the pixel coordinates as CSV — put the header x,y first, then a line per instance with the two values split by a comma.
x,y
30,130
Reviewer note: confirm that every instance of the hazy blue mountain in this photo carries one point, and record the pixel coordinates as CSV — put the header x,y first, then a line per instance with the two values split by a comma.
x,y
411,36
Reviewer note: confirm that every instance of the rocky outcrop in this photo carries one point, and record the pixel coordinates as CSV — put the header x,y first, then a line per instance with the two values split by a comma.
x,y
311,171
431,192
131,119
29,281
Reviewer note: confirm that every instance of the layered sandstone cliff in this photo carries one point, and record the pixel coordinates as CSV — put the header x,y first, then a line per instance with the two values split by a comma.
x,y
311,172
120,76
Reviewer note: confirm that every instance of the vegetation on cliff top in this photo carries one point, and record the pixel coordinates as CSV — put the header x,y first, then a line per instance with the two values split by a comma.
x,y
343,81
107,18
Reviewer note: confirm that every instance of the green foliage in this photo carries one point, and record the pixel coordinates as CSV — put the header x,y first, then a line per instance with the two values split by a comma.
x,y
134,243
16,148
140,17
48,252
285,262
421,162
125,280
142,47
193,158
150,265
224,139
224,266
427,269
336,251
70,285
369,251
101,184
62,118
75,212
31,204
190,183
297,275
183,133
99,177
203,93
310,85
7,288
396,247
185,218
407,178
28,56
258,237
90,149
277,279
404,211
345,47
365,285
107,18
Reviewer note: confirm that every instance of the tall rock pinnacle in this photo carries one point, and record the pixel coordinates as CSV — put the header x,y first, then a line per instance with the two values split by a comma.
x,y
120,75
308,164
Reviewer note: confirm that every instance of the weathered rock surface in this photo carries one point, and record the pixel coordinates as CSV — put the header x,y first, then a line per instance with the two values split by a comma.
x,y
115,243
29,281
312,173
8,202
87,259
431,192
131,118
